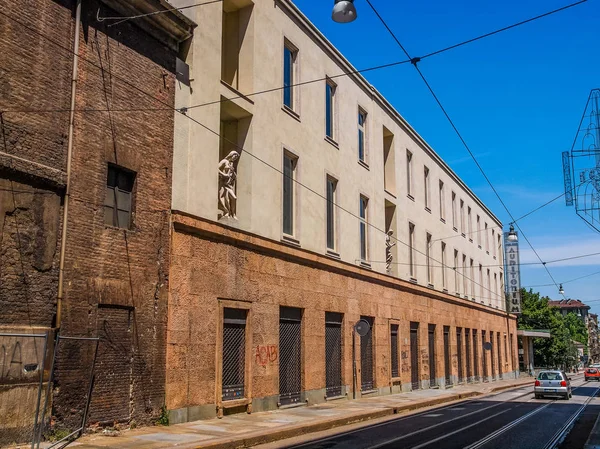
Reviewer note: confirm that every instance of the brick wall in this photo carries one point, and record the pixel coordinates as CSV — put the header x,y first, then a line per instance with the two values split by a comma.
x,y
115,280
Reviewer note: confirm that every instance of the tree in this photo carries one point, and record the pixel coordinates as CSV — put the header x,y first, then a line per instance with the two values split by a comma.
x,y
558,350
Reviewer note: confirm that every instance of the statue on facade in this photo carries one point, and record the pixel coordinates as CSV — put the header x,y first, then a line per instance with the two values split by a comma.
x,y
388,250
227,180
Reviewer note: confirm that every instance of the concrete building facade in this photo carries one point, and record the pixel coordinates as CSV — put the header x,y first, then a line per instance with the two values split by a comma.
x,y
117,237
266,289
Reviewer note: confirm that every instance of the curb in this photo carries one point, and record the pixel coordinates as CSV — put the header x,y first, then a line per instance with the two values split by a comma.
x,y
260,438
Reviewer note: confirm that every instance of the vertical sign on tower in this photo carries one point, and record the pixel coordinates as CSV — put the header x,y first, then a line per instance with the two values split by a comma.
x,y
513,274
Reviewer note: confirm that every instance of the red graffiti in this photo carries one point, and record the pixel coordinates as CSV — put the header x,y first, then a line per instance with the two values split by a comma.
x,y
266,354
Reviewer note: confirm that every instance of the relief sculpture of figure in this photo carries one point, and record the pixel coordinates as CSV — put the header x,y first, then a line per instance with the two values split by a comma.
x,y
388,250
227,179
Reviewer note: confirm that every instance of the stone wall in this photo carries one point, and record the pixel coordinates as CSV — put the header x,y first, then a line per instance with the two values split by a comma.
x,y
213,267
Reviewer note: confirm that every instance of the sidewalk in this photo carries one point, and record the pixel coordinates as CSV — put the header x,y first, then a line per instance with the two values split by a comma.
x,y
243,430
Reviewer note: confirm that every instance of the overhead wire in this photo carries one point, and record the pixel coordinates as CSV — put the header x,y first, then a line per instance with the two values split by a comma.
x,y
415,62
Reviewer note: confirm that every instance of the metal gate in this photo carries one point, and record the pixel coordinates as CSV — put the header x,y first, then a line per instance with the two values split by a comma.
x,y
366,358
394,350
492,356
468,354
499,355
432,373
234,353
484,357
475,357
447,375
414,356
459,354
333,354
290,355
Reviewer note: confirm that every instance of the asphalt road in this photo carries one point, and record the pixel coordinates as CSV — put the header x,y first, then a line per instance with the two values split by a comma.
x,y
512,419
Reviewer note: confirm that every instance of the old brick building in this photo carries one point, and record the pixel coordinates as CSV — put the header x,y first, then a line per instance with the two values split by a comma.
x,y
117,236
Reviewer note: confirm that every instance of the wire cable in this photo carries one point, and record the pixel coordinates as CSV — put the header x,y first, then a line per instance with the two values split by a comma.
x,y
415,62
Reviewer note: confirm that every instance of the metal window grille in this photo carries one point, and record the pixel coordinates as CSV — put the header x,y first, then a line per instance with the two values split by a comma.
x,y
333,354
459,354
234,353
484,357
492,355
447,375
468,354
499,355
366,358
394,350
432,373
290,355
475,356
414,356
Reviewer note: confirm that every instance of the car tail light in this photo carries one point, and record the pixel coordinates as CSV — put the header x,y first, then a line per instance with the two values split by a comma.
x,y
563,383
537,383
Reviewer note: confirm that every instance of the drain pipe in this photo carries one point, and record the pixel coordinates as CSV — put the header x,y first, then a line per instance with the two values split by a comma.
x,y
63,240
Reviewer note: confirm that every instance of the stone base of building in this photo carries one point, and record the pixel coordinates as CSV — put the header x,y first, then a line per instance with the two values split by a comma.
x,y
256,325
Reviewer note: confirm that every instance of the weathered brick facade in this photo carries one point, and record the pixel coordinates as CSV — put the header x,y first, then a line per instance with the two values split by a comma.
x,y
116,280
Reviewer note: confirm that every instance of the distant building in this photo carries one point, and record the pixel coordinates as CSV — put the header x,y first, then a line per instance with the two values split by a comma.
x,y
572,305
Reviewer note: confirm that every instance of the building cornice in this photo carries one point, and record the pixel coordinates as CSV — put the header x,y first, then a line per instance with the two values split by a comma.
x,y
190,224
292,10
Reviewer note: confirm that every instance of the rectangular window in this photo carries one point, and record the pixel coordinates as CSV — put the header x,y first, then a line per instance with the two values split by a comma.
x,y
333,354
364,248
118,201
411,250
428,257
442,199
234,353
472,280
289,174
362,135
499,246
237,45
465,276
290,61
409,172
470,224
478,231
444,282
456,273
481,283
394,350
331,212
330,89
493,242
487,239
426,186
496,287
462,217
489,292
454,211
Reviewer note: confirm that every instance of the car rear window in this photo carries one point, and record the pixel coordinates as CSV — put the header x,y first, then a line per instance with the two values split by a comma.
x,y
592,370
550,376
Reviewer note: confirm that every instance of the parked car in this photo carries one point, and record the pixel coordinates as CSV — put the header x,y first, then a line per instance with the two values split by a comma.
x,y
552,383
592,373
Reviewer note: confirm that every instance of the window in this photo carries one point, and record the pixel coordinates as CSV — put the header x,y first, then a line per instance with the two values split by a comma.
x,y
119,197
411,250
331,221
362,138
478,231
234,351
456,273
489,281
289,174
330,89
499,249
470,224
465,277
389,162
442,198
444,284
426,186
364,202
409,173
495,286
290,62
454,211
493,242
481,282
428,257
472,272
462,217
487,239
237,45
394,350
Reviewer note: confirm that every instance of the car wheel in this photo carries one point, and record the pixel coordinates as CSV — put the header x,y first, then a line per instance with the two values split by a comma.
x,y
586,379
537,396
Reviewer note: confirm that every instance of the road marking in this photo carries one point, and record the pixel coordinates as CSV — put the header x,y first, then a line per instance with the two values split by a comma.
x,y
432,415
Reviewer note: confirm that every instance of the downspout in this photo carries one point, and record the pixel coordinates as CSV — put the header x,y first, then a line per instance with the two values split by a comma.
x,y
63,241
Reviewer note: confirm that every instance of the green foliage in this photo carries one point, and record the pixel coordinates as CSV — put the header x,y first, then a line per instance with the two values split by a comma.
x,y
163,419
559,350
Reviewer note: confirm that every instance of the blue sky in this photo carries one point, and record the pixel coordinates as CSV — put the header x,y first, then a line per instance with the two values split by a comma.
x,y
517,98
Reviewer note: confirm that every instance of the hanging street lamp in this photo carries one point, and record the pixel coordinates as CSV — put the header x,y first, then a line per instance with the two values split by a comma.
x,y
343,11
